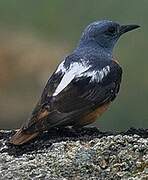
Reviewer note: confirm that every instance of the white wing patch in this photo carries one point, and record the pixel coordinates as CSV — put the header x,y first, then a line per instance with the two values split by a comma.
x,y
97,75
75,70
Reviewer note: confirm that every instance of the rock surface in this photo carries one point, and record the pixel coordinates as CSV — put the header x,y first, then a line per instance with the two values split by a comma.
x,y
86,154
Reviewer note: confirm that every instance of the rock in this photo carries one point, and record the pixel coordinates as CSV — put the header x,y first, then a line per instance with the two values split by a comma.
x,y
85,154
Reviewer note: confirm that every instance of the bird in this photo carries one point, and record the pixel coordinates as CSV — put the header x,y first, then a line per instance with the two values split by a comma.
x,y
83,85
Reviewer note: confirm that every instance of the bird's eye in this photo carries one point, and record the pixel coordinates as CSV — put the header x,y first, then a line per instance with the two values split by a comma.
x,y
111,30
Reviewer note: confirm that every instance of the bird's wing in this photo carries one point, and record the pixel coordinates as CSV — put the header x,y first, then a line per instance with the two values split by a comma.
x,y
72,93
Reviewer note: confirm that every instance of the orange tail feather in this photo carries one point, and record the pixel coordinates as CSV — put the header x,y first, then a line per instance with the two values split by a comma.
x,y
22,137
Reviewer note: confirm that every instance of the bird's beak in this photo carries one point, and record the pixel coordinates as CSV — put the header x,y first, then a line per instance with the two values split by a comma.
x,y
126,28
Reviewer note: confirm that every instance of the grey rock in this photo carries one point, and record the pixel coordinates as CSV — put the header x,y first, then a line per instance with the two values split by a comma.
x,y
85,154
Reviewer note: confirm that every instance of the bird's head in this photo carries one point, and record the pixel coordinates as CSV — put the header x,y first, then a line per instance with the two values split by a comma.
x,y
105,33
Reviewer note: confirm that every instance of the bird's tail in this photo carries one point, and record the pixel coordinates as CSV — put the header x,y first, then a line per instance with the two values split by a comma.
x,y
22,137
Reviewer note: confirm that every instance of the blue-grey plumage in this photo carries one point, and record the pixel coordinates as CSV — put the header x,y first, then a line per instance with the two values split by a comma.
x,y
83,85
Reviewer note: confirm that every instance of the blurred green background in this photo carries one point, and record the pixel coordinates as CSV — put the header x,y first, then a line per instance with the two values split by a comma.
x,y
35,35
